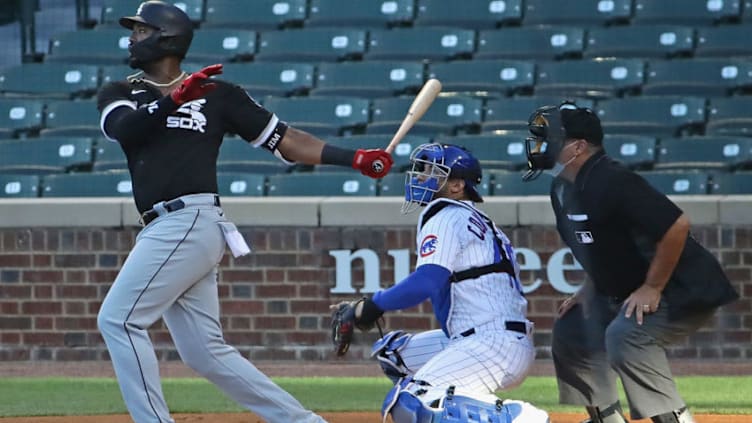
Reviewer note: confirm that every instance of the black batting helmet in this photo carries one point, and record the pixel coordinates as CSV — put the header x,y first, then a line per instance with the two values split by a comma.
x,y
172,38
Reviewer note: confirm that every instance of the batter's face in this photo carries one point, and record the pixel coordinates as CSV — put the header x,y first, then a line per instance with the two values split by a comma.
x,y
140,32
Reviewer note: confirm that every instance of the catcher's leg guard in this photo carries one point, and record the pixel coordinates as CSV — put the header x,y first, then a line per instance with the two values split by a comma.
x,y
387,352
681,415
405,407
610,414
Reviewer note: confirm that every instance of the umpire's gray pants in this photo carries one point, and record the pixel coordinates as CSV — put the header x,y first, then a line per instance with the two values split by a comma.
x,y
590,349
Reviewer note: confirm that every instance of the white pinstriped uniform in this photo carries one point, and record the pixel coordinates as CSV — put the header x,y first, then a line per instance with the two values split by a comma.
x,y
493,358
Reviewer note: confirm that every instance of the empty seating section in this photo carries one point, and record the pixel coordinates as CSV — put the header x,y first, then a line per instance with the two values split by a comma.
x,y
20,115
271,78
50,79
590,78
221,44
93,184
468,14
704,152
317,44
447,115
496,77
539,43
241,184
76,118
634,151
45,155
373,13
113,10
640,41
327,184
19,186
493,151
687,12
724,41
263,14
322,116
702,77
729,116
666,115
401,153
512,113
581,12
678,183
369,79
100,46
420,43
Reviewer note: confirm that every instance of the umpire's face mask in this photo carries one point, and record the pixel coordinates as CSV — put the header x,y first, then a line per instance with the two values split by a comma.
x,y
546,141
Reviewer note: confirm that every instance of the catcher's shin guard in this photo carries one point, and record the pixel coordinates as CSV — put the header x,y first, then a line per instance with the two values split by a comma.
x,y
681,415
610,414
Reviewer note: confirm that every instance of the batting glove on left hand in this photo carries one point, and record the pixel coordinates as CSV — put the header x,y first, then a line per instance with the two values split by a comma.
x,y
374,162
196,85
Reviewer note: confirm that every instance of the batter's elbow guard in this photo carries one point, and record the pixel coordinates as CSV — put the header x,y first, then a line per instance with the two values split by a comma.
x,y
368,315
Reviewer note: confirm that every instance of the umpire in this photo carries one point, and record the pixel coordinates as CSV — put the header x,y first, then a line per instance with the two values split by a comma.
x,y
649,282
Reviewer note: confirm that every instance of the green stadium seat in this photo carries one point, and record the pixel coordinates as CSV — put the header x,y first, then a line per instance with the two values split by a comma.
x,y
590,78
49,80
512,113
700,77
271,78
689,12
493,151
729,116
368,79
113,10
724,41
530,43
373,13
420,43
115,73
640,41
98,47
262,14
738,183
241,184
470,14
401,153
580,12
108,155
71,118
45,155
94,184
392,185
322,116
634,151
222,44
446,115
511,184
21,115
313,44
704,152
678,183
19,186
495,77
321,184
654,115
238,156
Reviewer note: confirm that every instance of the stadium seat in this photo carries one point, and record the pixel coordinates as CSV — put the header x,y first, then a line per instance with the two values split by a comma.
x,y
115,73
401,153
222,44
373,13
49,80
446,115
102,46
493,151
689,12
113,10
322,116
701,77
262,14
19,186
270,78
511,183
421,43
237,156
512,113
321,184
738,183
369,79
633,151
472,14
241,184
704,152
20,115
729,116
496,77
108,155
668,116
71,118
392,185
45,155
590,78
678,183
313,44
94,184
525,43
580,12
724,41
640,41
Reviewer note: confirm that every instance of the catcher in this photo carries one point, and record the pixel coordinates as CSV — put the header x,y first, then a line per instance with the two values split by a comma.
x,y
466,266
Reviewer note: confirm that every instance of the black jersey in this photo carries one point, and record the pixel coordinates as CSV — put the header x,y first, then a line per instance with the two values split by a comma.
x,y
172,151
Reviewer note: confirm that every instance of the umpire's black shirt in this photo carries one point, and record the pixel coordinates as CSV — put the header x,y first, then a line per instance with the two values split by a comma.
x,y
612,219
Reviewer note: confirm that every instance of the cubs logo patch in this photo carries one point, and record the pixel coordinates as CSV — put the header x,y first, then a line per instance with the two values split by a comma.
x,y
428,245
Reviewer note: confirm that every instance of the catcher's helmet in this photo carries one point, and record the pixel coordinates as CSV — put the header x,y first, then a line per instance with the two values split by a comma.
x,y
172,38
432,166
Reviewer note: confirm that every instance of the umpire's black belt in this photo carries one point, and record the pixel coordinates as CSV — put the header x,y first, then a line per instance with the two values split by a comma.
x,y
179,203
520,327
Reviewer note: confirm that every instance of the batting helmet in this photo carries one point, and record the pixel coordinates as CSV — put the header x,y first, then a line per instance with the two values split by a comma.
x,y
173,35
432,166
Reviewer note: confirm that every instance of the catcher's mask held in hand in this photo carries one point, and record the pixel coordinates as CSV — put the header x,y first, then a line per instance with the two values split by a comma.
x,y
546,140
432,166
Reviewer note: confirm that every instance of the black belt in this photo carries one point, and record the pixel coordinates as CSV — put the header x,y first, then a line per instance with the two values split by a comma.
x,y
520,327
170,206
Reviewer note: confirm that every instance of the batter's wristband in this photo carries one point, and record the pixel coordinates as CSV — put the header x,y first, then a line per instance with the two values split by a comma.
x,y
337,156
370,313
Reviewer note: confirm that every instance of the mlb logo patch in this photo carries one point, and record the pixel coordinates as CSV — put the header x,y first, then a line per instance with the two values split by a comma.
x,y
584,237
428,245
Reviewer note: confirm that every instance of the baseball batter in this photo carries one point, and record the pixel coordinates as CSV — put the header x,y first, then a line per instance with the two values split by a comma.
x,y
170,126
466,267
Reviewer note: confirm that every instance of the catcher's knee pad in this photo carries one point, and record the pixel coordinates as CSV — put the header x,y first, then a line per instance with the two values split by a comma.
x,y
387,352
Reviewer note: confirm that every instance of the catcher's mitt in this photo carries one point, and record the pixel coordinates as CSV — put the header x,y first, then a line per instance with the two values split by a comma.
x,y
347,316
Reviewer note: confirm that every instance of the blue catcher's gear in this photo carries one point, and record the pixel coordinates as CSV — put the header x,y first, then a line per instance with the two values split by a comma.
x,y
387,352
432,166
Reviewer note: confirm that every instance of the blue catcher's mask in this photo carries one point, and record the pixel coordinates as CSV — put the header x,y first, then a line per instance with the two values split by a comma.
x,y
432,166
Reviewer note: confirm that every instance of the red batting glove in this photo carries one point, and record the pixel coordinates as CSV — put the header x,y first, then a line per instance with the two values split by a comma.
x,y
196,85
374,163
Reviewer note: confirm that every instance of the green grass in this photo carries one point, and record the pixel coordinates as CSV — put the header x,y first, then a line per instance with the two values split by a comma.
x,y
84,396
